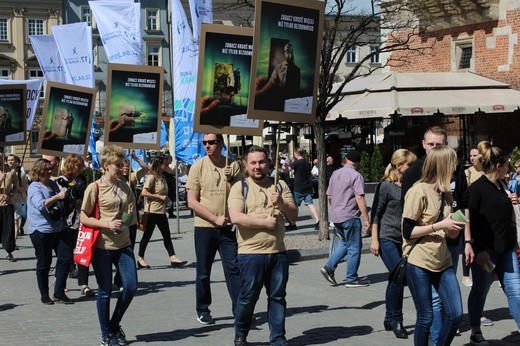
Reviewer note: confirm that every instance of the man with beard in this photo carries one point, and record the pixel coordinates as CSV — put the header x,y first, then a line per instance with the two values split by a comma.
x,y
258,207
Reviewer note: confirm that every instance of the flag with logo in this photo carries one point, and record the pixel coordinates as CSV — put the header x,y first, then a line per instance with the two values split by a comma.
x,y
74,43
185,56
201,12
119,25
49,58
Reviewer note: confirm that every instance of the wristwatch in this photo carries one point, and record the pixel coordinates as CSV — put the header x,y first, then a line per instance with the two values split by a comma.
x,y
468,241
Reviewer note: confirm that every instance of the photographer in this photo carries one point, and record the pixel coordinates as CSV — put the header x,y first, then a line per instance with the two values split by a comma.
x,y
47,233
69,209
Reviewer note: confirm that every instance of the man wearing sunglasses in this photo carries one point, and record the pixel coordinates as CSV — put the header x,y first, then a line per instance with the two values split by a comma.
x,y
208,186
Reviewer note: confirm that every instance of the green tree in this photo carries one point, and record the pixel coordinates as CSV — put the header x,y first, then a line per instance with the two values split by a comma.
x,y
376,165
364,166
515,156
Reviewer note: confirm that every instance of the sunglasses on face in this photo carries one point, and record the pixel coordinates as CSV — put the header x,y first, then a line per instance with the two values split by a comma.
x,y
211,142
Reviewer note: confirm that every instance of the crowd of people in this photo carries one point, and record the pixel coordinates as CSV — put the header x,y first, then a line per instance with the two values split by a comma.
x,y
242,213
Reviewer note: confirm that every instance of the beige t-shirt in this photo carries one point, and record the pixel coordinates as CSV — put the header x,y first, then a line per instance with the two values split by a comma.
x,y
114,199
9,187
212,185
261,241
156,185
472,175
422,204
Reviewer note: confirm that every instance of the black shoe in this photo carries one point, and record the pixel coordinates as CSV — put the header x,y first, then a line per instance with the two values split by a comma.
x,y
10,258
328,275
47,300
387,325
142,266
399,330
178,264
62,298
172,216
240,341
317,226
291,227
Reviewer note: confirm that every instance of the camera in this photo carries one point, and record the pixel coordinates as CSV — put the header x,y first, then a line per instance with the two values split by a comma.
x,y
64,207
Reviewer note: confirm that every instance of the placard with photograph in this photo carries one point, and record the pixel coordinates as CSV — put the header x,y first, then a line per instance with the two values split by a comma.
x,y
12,114
134,106
223,81
286,60
66,121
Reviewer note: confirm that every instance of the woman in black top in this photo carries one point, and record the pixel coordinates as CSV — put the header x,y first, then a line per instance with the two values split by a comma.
x,y
494,239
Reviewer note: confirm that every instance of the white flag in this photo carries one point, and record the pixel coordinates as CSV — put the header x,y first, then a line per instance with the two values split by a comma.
x,y
49,58
185,57
201,12
119,24
74,43
33,88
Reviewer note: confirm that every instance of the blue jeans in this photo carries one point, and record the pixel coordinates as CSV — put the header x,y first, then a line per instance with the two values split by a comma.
x,y
256,271
207,242
391,252
420,282
124,261
436,300
350,232
509,275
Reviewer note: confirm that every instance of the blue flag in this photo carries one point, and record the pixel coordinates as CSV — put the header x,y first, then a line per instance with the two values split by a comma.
x,y
164,134
92,145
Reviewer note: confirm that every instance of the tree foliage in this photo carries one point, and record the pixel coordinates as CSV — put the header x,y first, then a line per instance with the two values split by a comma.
x,y
364,166
377,167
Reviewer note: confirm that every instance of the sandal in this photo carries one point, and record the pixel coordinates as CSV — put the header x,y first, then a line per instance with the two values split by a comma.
x,y
86,291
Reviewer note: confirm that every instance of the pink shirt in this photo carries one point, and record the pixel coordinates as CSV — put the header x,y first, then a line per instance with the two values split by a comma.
x,y
345,184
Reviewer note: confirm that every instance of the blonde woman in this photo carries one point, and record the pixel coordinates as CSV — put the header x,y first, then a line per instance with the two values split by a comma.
x,y
494,238
426,224
386,235
113,247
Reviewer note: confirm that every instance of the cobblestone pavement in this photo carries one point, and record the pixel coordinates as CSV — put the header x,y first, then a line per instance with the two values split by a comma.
x,y
163,311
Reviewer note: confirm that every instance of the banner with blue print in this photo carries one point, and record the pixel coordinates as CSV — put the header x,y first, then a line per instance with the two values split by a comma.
x,y
185,56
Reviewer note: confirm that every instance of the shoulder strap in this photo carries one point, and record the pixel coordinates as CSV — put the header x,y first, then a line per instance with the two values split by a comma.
x,y
245,190
97,212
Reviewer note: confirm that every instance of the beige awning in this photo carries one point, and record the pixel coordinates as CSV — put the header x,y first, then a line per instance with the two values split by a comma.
x,y
415,94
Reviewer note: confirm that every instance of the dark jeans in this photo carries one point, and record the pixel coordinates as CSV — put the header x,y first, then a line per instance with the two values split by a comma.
x,y
133,234
420,282
7,227
44,244
162,222
207,242
256,271
391,252
124,261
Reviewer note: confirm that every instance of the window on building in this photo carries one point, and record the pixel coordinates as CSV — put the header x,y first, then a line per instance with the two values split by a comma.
x,y
5,73
466,54
352,55
374,58
86,15
36,73
152,19
4,30
153,55
35,27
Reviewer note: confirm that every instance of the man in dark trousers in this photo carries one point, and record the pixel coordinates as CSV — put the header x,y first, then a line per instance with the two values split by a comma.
x,y
435,136
303,185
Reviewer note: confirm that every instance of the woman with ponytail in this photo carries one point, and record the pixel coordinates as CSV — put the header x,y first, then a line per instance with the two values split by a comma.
x,y
493,236
386,235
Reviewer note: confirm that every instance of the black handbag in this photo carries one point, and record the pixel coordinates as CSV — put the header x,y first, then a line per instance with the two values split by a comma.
x,y
398,274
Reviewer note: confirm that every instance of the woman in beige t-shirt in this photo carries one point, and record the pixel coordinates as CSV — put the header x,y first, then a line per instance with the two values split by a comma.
x,y
427,222
155,190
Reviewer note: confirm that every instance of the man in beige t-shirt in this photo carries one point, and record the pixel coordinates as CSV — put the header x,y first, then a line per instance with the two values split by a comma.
x,y
262,258
208,186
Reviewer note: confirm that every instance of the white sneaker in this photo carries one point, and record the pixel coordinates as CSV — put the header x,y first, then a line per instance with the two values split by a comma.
x,y
358,283
466,281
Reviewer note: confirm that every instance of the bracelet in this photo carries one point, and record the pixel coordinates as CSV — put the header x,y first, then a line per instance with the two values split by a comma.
x,y
433,229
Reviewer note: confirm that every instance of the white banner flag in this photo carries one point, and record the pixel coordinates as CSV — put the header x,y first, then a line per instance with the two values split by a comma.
x,y
119,24
185,57
74,43
201,12
33,88
49,58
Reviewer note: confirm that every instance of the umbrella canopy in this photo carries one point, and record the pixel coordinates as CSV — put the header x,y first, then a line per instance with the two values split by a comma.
x,y
413,94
